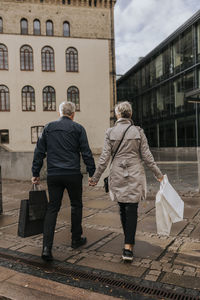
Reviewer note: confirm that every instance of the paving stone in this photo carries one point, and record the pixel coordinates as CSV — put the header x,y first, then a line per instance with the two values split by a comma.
x,y
103,204
189,269
6,273
151,277
146,261
190,260
189,274
105,219
177,271
108,254
180,280
145,265
154,272
64,236
106,258
179,267
122,268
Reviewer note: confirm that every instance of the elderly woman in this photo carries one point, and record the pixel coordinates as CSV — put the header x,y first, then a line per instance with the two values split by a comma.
x,y
127,180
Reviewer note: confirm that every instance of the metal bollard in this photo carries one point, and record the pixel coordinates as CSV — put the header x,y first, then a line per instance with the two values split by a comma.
x,y
1,204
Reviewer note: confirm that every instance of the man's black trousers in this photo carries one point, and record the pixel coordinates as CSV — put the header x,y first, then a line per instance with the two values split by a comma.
x,y
56,186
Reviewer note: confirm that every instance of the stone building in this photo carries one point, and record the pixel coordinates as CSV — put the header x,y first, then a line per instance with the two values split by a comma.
x,y
51,51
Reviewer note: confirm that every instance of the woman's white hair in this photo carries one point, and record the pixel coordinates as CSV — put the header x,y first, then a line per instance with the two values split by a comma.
x,y
124,110
66,108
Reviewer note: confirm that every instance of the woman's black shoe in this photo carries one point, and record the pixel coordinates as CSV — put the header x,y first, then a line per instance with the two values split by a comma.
x,y
127,255
46,254
78,243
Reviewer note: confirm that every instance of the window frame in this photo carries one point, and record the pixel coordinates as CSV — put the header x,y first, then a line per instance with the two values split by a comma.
x,y
44,59
37,133
32,98
49,22
1,25
53,92
23,29
34,29
64,23
4,57
70,96
7,98
30,58
71,57
1,131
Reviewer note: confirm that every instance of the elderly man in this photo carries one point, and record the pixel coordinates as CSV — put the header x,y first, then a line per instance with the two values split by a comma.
x,y
63,141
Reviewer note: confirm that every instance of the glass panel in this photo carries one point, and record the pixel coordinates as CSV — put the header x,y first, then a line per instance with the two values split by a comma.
x,y
4,136
186,132
1,25
167,134
24,26
66,29
167,62
177,54
159,66
4,98
49,28
152,71
37,27
179,95
3,57
198,42
187,49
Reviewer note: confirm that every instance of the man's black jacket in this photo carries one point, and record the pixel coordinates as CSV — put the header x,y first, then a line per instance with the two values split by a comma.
x,y
63,141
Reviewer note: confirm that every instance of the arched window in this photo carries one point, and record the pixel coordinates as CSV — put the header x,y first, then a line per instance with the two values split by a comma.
x,y
48,59
73,96
28,98
66,29
26,58
1,25
71,60
3,57
4,98
49,99
24,26
36,27
49,27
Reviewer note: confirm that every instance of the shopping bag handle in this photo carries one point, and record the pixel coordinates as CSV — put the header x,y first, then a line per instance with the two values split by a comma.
x,y
164,181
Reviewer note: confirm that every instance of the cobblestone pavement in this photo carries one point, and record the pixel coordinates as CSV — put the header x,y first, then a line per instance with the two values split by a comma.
x,y
172,260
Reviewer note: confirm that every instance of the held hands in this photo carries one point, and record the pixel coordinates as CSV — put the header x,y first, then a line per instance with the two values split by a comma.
x,y
35,180
90,182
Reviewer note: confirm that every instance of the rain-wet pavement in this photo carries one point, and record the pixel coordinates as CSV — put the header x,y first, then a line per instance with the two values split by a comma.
x,y
173,261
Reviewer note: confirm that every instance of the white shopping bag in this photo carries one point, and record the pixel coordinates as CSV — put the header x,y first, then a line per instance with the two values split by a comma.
x,y
163,221
169,207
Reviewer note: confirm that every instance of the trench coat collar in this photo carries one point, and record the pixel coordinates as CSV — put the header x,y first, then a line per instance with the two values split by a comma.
x,y
124,121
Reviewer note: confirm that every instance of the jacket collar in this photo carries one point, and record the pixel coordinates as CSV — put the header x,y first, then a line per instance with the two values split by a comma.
x,y
124,121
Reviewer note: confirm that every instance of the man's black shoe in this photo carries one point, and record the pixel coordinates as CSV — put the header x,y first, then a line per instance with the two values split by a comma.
x,y
78,243
46,254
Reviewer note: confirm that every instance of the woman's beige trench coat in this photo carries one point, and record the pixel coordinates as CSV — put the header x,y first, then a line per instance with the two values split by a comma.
x,y
127,180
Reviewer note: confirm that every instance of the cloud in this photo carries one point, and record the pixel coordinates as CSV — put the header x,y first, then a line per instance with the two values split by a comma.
x,y
140,25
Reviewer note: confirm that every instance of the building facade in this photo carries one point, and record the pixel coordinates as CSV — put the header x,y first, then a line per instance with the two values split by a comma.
x,y
164,88
52,51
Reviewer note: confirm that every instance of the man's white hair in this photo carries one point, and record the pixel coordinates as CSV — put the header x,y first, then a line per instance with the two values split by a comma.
x,y
123,110
66,108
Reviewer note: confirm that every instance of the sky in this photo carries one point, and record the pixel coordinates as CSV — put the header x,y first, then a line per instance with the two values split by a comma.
x,y
141,25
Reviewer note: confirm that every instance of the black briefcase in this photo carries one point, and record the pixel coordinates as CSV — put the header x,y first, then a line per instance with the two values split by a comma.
x,y
32,214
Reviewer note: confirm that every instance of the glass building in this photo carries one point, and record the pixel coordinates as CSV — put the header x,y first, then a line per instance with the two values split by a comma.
x,y
164,87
